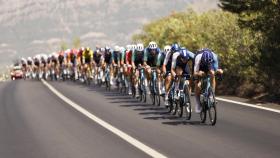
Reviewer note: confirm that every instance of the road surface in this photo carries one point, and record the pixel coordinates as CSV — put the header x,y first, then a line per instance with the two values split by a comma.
x,y
34,122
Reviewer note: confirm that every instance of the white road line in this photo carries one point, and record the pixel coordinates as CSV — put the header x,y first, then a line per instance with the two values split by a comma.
x,y
249,105
126,137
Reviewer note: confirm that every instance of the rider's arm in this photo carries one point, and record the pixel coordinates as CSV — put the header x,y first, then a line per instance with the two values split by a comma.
x,y
197,63
173,64
216,62
133,59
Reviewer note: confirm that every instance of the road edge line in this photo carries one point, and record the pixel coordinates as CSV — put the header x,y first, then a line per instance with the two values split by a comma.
x,y
248,105
146,149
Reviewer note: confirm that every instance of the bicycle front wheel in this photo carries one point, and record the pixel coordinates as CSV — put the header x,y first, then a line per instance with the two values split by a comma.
x,y
212,110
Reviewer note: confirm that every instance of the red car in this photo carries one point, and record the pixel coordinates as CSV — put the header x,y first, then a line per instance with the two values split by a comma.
x,y
16,73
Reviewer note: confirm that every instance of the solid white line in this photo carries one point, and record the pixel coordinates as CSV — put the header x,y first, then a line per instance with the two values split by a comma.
x,y
126,137
249,105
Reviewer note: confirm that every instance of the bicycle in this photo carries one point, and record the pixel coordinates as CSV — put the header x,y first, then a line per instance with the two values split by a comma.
x,y
141,85
208,101
183,103
107,78
155,96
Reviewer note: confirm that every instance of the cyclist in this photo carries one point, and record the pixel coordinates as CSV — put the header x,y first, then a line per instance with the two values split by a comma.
x,y
98,61
180,66
150,60
128,57
137,60
206,62
44,59
37,64
166,68
87,60
72,57
116,61
108,56
61,61
160,62
29,65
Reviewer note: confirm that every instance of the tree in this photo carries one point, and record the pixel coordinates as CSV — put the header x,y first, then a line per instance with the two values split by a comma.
x,y
262,16
218,30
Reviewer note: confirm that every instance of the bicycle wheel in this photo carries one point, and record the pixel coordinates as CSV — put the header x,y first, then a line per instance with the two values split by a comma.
x,y
170,100
175,108
157,95
152,92
212,111
203,113
185,104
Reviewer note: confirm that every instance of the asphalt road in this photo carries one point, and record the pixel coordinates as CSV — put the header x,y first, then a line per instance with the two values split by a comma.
x,y
34,122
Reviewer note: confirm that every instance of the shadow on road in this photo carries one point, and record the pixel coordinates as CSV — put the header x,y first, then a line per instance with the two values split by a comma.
x,y
148,111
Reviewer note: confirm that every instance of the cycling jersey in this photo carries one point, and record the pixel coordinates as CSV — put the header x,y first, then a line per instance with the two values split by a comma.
x,y
116,56
138,57
160,59
72,56
168,61
37,60
108,57
179,61
29,62
123,56
88,56
61,57
150,57
97,57
128,57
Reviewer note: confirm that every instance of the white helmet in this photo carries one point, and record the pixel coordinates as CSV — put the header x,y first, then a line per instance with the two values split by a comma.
x,y
117,48
122,49
133,47
128,47
140,47
29,59
167,48
102,49
153,45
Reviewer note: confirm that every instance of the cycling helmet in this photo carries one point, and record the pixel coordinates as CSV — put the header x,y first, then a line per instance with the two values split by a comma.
x,y
140,47
117,48
122,49
133,47
207,56
128,47
102,49
175,47
167,48
107,48
29,59
153,45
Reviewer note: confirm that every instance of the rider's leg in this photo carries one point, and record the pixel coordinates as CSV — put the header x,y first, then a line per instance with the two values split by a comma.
x,y
159,81
179,72
167,87
111,74
136,77
213,80
148,79
197,95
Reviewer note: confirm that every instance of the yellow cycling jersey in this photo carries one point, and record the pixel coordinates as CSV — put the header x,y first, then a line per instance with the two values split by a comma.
x,y
87,54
